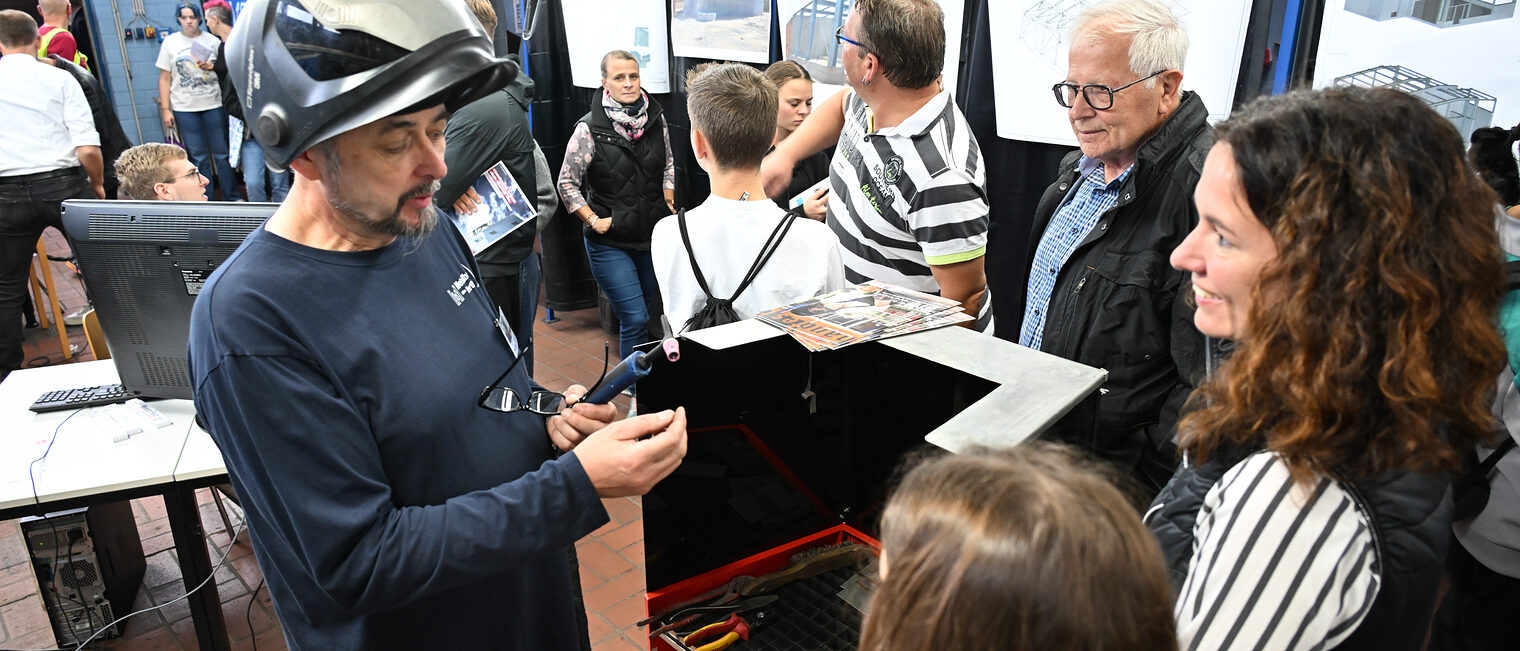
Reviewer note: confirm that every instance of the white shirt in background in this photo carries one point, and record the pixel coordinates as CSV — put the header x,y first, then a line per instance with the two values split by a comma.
x,y
726,235
191,89
45,115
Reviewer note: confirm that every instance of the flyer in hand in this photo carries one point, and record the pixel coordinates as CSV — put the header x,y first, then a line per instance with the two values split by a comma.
x,y
503,208
865,312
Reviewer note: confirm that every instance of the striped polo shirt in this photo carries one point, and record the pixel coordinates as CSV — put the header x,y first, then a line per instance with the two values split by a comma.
x,y
909,196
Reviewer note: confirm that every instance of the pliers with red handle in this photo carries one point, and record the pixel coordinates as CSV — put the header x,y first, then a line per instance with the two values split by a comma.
x,y
715,637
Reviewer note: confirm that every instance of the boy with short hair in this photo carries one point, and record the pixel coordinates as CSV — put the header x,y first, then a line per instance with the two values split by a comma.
x,y
732,108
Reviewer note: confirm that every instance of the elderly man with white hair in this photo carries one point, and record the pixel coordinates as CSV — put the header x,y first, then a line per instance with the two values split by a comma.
x,y
1099,290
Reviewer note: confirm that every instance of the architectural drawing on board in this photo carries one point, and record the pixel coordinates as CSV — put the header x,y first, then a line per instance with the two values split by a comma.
x,y
1468,109
1441,13
1047,24
808,38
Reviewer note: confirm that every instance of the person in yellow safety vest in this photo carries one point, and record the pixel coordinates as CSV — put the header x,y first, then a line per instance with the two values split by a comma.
x,y
54,39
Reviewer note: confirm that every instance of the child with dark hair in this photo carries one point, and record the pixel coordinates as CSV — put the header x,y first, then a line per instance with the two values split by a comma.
x,y
1493,155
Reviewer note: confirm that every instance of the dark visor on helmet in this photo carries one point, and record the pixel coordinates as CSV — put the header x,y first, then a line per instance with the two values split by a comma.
x,y
326,53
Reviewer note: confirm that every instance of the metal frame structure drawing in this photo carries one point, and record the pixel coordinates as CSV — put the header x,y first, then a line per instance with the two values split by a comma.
x,y
1466,108
1045,26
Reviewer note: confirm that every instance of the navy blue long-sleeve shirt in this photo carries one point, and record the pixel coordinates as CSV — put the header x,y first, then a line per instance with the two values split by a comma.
x,y
387,510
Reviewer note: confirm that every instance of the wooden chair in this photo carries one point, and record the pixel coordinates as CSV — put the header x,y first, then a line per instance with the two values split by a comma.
x,y
95,337
52,299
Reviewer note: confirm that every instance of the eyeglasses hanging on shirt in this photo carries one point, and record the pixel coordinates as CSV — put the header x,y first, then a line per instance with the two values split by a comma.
x,y
544,403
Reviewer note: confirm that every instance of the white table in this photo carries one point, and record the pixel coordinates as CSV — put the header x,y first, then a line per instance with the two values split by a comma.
x,y
83,461
86,467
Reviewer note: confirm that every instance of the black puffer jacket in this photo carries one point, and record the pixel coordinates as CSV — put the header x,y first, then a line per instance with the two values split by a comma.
x,y
626,180
1411,517
1118,304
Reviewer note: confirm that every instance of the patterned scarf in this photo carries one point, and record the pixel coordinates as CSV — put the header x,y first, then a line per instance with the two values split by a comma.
x,y
628,119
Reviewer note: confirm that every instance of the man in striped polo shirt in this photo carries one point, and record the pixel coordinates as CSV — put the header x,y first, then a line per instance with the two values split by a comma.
x,y
909,201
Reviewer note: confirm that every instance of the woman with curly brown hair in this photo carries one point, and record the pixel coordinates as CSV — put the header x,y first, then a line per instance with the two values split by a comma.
x,y
1024,549
1349,252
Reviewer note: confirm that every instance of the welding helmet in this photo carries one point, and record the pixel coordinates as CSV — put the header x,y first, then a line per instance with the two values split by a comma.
x,y
308,70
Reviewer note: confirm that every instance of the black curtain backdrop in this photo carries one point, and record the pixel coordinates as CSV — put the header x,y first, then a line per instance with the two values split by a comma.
x,y
557,104
1017,171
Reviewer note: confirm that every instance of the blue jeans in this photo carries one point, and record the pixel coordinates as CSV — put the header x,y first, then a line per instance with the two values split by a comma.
x,y
626,277
255,171
205,134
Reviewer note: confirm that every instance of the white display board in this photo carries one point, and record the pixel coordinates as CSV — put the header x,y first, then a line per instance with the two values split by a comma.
x,y
722,30
1466,67
1030,42
594,27
807,30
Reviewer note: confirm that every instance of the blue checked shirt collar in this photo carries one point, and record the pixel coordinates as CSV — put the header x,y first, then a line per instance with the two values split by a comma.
x,y
1067,229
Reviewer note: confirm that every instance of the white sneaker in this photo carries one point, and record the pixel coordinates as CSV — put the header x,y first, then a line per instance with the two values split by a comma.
x,y
76,318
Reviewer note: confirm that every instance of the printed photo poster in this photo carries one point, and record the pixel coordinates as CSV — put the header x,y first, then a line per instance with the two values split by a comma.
x,y
1031,57
807,37
723,30
593,28
1460,57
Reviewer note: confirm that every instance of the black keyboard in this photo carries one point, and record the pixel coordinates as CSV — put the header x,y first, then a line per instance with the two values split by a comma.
x,y
80,398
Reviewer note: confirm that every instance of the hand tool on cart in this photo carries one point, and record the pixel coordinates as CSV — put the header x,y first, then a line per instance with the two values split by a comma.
x,y
807,564
719,636
686,616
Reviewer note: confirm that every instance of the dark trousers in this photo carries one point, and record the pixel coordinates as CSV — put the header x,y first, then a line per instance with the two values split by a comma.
x,y
1477,610
517,296
28,204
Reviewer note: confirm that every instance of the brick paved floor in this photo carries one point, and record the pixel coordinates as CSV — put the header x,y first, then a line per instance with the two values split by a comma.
x,y
611,558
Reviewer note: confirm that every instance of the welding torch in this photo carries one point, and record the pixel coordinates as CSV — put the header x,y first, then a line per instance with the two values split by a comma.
x,y
633,368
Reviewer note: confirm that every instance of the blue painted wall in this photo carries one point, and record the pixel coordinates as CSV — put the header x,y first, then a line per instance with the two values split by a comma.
x,y
141,56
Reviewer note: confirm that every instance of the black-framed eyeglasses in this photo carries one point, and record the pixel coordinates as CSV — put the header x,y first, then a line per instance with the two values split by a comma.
x,y
839,36
194,171
544,403
1098,96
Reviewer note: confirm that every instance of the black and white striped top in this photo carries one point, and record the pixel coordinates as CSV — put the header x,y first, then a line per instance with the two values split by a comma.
x,y
906,197
1276,565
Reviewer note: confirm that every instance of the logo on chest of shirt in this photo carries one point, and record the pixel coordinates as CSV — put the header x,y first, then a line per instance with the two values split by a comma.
x,y
462,286
884,179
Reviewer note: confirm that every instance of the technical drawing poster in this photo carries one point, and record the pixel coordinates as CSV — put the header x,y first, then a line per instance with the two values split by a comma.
x,y
1032,58
807,37
1460,57
724,30
593,28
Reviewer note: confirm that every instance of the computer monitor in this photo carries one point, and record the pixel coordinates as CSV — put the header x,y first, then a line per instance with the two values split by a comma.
x,y
144,262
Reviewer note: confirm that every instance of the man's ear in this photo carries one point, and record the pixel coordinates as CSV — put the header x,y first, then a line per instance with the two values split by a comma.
x,y
161,192
1171,89
306,164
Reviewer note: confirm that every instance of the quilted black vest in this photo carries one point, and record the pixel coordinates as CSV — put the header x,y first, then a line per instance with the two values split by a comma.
x,y
1411,517
625,180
